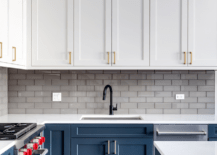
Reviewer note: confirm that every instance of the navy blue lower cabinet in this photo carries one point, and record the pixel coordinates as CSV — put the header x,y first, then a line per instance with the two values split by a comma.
x,y
212,132
212,139
90,146
57,139
132,146
9,152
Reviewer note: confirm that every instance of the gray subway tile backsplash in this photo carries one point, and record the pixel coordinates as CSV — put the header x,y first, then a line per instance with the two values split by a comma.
x,y
135,92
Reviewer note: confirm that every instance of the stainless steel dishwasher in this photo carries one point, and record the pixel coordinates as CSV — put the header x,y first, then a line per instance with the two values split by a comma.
x,y
174,132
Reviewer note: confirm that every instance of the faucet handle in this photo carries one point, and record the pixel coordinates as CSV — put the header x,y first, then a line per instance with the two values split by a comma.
x,y
115,108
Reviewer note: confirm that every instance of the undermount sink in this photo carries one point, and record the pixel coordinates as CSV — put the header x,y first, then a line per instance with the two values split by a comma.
x,y
112,117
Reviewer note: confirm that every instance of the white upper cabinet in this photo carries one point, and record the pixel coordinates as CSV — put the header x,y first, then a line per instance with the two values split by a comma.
x,y
130,33
202,33
15,29
52,33
168,33
4,31
92,33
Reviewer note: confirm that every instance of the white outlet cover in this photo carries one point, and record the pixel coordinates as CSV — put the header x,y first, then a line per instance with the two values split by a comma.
x,y
57,97
180,96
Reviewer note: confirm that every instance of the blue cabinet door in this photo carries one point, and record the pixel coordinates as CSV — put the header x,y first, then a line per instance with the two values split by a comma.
x,y
212,139
132,146
57,139
90,146
9,152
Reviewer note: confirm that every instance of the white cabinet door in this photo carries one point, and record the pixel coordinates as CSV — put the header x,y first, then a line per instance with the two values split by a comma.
x,y
202,34
4,31
92,33
168,32
16,27
130,32
52,32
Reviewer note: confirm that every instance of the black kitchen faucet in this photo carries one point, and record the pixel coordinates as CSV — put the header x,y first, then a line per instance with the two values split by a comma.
x,y
111,108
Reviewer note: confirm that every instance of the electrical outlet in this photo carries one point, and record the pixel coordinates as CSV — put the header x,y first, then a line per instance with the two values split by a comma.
x,y
57,97
180,96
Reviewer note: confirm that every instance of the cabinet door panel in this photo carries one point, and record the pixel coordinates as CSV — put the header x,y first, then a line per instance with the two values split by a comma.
x,y
130,32
16,32
133,146
4,30
168,32
57,139
202,32
92,32
90,146
52,32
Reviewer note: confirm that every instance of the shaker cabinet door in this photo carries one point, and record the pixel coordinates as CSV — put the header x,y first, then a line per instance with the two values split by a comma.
x,y
202,33
4,54
168,33
92,33
16,28
52,33
130,33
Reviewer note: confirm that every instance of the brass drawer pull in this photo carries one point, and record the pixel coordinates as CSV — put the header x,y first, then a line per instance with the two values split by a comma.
x,y
108,146
114,58
184,58
14,53
191,58
1,49
70,57
115,143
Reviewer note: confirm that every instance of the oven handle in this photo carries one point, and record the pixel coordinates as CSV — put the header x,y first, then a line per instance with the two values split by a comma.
x,y
180,133
40,151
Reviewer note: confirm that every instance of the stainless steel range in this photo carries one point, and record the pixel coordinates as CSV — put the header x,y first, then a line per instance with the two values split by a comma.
x,y
28,137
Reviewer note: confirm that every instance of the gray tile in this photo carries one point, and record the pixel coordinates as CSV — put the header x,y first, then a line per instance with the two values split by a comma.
x,y
128,94
34,88
121,99
120,76
180,71
51,111
129,82
16,111
42,82
34,111
77,105
94,82
95,71
171,99
137,76
51,76
146,82
210,94
43,71
206,111
58,82
85,76
12,71
154,88
188,111
103,76
197,71
120,88
68,76
154,111
163,105
206,76
145,71
197,94
172,111
197,105
180,105
206,88
128,71
179,82
210,105
145,105
210,82
163,94
12,94
172,88
77,82
189,99
92,105
50,88
85,88
78,94
86,99
43,94
189,76
60,71
85,111
206,99
16,99
16,88
69,99
26,94
137,99
137,111
20,71
137,88
163,82
17,76
68,111
197,82
26,82
163,71
60,105
34,99
188,88
12,82
34,76
155,76
100,111
112,82
129,105
12,105
154,99
112,71
26,105
172,76
121,111
77,71
145,94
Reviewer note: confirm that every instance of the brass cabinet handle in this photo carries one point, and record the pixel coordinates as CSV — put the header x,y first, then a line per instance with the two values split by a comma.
x,y
1,50
191,58
70,57
115,151
114,58
184,57
14,53
108,146
108,57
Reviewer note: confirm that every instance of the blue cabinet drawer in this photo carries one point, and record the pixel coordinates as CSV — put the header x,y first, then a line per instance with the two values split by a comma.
x,y
9,152
112,130
212,139
212,130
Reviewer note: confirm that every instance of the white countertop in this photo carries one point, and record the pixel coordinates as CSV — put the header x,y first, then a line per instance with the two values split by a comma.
x,y
76,118
186,147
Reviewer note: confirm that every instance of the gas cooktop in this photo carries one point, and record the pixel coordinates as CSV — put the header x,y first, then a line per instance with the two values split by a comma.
x,y
14,130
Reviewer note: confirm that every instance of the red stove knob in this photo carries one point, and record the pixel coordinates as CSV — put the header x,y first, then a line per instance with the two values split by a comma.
x,y
23,153
29,151
43,139
38,141
35,146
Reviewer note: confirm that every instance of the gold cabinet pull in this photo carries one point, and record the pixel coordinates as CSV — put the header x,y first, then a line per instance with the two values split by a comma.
x,y
14,53
115,151
184,57
108,57
114,58
191,58
108,146
1,49
70,57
